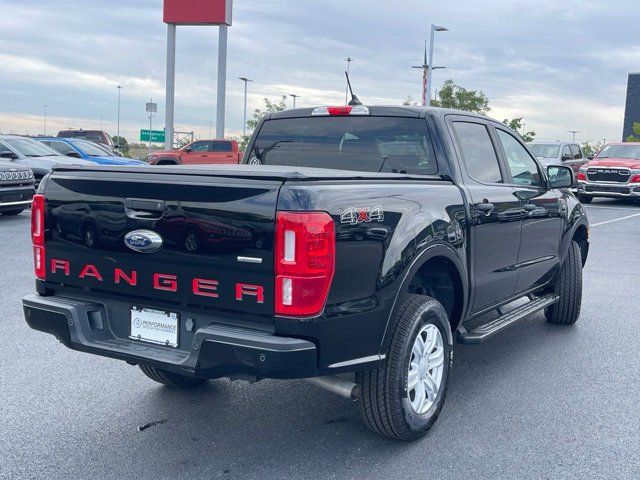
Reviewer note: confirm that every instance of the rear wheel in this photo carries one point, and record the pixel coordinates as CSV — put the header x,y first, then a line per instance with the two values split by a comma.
x,y
569,288
12,212
585,198
173,380
403,399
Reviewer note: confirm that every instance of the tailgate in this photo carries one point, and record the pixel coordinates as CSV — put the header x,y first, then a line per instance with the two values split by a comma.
x,y
216,238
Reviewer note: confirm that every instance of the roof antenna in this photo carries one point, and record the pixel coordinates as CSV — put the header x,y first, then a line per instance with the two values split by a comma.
x,y
354,99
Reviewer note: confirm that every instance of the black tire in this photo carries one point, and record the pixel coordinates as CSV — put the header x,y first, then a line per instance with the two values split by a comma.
x,y
12,212
569,288
192,241
170,379
585,198
385,403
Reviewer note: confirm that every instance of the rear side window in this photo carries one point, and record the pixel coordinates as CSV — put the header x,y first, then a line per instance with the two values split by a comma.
x,y
477,149
222,147
366,144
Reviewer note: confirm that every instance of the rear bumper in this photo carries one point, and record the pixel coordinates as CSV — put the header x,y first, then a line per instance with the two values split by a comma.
x,y
214,350
619,190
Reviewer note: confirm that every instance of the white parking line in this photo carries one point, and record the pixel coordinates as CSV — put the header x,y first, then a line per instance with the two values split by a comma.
x,y
598,207
615,220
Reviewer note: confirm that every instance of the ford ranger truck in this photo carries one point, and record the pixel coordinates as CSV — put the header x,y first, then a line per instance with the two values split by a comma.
x,y
353,247
200,152
613,173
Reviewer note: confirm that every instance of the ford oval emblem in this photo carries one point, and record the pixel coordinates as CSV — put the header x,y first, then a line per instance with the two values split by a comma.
x,y
144,241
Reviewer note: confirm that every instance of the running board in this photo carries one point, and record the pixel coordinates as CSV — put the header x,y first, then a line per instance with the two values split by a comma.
x,y
485,331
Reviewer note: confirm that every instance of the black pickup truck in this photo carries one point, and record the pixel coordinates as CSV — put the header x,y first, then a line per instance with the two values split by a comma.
x,y
353,248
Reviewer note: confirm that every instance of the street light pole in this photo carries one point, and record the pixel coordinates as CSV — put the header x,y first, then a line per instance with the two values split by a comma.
x,y
244,124
294,96
434,29
45,120
346,93
425,73
574,133
118,129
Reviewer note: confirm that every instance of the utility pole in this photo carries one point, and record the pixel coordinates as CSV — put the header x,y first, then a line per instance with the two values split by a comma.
x,y
294,96
244,124
45,120
346,94
118,129
152,109
222,81
425,74
434,29
574,133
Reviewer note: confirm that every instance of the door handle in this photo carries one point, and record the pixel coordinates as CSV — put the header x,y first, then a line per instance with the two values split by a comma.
x,y
486,207
529,207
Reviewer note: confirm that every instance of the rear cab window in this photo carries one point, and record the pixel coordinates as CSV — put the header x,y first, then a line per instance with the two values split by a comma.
x,y
225,147
478,152
367,144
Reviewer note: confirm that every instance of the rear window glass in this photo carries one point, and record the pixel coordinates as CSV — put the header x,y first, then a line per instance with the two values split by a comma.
x,y
365,144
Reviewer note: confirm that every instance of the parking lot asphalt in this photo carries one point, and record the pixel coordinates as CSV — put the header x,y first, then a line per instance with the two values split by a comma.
x,y
538,401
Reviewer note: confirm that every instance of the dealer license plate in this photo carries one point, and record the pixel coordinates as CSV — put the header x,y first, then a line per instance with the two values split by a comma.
x,y
154,326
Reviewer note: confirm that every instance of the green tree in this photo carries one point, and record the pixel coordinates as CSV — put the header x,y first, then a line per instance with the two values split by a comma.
x,y
455,96
636,133
590,149
516,125
269,107
121,144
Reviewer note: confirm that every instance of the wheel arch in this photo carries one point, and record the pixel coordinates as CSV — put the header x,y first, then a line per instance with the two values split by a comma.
x,y
433,262
167,161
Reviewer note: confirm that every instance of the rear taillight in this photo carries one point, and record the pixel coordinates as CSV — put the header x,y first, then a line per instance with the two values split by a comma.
x,y
305,262
581,176
37,236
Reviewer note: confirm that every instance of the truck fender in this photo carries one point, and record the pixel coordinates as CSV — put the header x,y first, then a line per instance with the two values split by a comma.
x,y
570,233
433,251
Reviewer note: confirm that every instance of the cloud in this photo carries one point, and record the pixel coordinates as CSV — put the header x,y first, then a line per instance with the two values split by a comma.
x,y
560,65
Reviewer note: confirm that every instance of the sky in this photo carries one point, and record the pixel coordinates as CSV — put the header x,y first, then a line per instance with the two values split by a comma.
x,y
560,64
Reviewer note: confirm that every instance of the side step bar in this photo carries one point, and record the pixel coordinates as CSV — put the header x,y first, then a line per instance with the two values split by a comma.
x,y
485,331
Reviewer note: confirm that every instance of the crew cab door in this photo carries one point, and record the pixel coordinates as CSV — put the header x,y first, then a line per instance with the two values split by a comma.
x,y
495,213
542,213
197,152
222,152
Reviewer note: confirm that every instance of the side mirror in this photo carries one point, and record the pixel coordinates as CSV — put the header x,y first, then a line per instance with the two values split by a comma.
x,y
560,177
590,157
566,157
188,149
73,154
9,155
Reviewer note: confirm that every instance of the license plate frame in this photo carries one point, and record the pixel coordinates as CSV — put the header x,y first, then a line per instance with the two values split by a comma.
x,y
158,327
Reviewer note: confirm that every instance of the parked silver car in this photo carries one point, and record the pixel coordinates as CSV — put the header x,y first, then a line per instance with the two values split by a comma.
x,y
35,155
569,154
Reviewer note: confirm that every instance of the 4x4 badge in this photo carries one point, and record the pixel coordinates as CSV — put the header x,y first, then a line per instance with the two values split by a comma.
x,y
354,215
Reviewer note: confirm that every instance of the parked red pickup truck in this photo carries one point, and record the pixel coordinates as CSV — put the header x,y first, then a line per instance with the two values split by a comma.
x,y
200,152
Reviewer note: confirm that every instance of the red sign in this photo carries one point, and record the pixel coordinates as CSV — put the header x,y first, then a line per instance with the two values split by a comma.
x,y
198,12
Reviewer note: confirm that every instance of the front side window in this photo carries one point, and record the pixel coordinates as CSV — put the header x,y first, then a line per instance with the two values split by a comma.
x,y
523,168
478,152
365,144
199,147
576,153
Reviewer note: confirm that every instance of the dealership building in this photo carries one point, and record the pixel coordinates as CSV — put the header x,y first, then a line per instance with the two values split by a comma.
x,y
632,109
